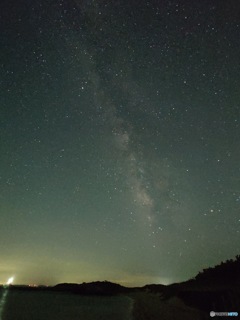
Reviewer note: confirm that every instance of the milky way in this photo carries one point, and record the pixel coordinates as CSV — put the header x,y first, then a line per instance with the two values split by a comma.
x,y
119,140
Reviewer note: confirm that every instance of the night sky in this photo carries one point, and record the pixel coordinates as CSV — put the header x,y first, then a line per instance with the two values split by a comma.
x,y
119,148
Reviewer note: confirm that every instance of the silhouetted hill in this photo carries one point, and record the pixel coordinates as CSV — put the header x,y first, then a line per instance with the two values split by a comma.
x,y
93,288
216,288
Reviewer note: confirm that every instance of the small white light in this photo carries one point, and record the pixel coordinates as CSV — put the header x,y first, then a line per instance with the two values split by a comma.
x,y
10,280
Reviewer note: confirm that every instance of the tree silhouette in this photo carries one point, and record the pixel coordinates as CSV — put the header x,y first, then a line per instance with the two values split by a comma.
x,y
226,272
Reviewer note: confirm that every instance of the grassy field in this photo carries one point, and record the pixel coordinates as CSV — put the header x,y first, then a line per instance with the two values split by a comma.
x,y
59,306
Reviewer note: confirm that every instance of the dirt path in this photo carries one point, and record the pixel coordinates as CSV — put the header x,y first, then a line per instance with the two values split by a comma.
x,y
150,307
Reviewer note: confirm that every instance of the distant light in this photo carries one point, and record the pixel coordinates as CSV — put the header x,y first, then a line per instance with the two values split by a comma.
x,y
10,280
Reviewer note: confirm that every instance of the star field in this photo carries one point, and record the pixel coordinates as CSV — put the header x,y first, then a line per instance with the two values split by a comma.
x,y
119,140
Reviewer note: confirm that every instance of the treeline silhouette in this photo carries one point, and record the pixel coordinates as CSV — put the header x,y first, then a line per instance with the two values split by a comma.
x,y
227,272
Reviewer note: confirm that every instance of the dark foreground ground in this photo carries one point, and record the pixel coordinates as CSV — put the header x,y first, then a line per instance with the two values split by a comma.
x,y
148,306
24,305
30,305
168,304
